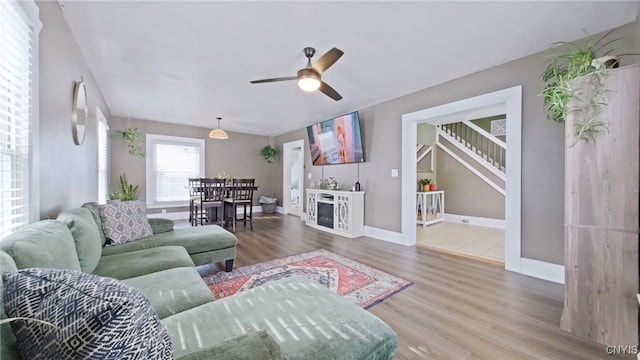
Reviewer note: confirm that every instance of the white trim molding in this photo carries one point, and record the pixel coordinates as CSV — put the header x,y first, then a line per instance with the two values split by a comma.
x,y
176,215
508,102
385,235
475,220
542,270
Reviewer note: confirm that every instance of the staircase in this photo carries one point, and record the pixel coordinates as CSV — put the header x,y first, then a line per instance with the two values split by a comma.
x,y
489,148
488,153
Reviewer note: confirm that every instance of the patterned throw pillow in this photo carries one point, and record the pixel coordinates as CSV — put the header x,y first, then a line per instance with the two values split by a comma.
x,y
125,221
91,317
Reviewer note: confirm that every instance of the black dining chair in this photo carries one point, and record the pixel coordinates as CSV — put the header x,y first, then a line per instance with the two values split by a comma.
x,y
194,194
211,199
241,196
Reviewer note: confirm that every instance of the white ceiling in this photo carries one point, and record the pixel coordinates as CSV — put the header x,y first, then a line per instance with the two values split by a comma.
x,y
188,62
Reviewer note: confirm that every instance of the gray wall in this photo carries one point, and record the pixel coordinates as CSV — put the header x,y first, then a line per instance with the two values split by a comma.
x,y
68,172
465,193
542,149
239,156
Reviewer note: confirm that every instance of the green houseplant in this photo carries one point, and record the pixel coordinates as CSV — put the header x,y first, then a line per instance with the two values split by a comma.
x,y
132,140
576,61
424,184
268,152
127,191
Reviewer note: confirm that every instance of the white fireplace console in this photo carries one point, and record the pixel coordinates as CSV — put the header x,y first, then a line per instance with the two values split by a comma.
x,y
337,212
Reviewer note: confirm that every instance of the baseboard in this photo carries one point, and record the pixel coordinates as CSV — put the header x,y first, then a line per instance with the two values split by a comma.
x,y
542,270
474,220
176,215
386,235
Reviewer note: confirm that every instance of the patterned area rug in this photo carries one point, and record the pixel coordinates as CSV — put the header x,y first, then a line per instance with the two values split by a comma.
x,y
357,282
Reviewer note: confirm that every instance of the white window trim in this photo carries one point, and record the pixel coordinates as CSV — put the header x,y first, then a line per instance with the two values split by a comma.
x,y
150,139
102,119
32,16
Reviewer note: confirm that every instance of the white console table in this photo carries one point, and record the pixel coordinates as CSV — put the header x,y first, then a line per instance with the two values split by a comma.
x,y
337,212
431,207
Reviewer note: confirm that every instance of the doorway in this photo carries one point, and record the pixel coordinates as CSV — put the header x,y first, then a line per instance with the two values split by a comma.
x,y
293,177
507,101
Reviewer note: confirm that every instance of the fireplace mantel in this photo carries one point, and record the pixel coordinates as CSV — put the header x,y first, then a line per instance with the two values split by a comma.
x,y
337,212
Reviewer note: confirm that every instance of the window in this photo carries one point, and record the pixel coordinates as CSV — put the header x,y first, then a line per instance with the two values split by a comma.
x,y
19,27
171,161
103,157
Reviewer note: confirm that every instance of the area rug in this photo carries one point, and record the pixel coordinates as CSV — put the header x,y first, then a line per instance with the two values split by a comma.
x,y
356,282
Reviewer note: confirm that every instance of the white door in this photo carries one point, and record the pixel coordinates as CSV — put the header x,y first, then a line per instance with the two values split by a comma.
x,y
293,177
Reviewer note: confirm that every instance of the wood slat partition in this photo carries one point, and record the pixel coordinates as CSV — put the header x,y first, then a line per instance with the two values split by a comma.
x,y
601,216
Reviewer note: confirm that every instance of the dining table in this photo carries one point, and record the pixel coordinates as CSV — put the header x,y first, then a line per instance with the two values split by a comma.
x,y
227,191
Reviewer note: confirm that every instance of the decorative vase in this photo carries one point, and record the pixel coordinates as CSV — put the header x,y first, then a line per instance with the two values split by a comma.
x,y
609,62
432,187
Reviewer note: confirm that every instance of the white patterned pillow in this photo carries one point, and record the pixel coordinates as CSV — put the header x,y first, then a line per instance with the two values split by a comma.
x,y
125,221
91,317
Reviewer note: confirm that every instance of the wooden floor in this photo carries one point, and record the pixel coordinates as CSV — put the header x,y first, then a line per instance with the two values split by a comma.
x,y
458,308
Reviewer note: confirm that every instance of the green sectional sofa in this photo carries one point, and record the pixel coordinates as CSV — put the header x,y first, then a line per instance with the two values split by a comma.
x,y
292,318
205,244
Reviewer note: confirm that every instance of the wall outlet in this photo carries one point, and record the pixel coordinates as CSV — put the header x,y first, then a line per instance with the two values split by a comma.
x,y
394,172
309,176
164,211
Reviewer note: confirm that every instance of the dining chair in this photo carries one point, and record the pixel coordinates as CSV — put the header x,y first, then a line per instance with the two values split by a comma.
x,y
241,196
194,194
211,196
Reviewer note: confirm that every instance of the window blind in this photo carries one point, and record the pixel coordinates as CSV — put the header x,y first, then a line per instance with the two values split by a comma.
x,y
174,161
103,158
15,117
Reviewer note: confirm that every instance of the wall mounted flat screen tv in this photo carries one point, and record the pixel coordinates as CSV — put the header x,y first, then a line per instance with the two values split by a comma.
x,y
336,141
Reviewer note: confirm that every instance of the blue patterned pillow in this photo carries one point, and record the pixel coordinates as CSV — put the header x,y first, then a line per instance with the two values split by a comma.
x,y
124,221
93,317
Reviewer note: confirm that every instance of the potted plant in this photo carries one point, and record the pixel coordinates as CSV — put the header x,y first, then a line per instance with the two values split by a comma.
x,y
128,191
563,69
268,152
132,140
424,184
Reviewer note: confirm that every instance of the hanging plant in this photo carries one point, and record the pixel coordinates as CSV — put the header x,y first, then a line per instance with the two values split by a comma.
x,y
132,140
268,153
575,62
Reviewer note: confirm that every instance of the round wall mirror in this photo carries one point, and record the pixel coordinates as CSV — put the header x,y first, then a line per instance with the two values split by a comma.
x,y
79,113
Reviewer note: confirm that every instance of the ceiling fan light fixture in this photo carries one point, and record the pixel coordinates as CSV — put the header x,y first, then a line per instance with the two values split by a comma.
x,y
308,80
218,133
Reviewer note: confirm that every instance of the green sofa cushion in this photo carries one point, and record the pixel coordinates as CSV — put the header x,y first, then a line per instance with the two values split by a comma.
x,y
142,262
46,243
86,235
254,345
95,213
8,347
307,320
174,290
197,239
161,225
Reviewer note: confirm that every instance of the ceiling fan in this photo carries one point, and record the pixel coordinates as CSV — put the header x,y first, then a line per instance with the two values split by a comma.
x,y
309,78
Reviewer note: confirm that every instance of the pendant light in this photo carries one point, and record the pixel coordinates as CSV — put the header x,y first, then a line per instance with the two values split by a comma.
x,y
218,133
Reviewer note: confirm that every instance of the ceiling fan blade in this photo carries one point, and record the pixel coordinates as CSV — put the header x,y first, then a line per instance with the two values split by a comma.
x,y
328,59
329,91
274,80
